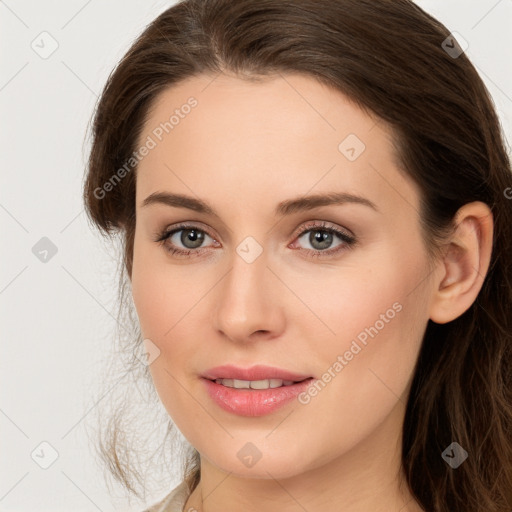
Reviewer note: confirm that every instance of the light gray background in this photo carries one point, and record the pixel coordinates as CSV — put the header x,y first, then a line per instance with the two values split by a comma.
x,y
57,317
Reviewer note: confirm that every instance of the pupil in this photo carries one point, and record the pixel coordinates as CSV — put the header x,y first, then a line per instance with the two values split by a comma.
x,y
323,238
191,238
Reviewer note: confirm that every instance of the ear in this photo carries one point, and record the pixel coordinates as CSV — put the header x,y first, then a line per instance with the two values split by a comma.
x,y
464,263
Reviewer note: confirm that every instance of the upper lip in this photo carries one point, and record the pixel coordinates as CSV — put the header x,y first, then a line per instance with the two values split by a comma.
x,y
258,372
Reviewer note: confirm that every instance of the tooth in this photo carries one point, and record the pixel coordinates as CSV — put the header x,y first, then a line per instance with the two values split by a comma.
x,y
260,384
241,384
254,384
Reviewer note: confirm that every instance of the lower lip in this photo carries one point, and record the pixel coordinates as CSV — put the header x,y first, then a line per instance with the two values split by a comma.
x,y
254,402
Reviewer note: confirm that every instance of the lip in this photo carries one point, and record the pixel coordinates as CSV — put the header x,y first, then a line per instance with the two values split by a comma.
x,y
254,402
258,372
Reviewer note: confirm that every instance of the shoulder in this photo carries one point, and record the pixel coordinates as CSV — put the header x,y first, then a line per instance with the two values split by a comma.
x,y
173,502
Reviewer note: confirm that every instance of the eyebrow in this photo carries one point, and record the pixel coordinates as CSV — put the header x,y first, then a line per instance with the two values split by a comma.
x,y
287,207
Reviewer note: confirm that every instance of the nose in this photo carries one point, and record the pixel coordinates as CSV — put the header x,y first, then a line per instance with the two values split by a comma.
x,y
249,303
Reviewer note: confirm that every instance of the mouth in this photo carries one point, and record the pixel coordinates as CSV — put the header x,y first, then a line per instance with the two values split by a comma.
x,y
252,396
257,384
254,391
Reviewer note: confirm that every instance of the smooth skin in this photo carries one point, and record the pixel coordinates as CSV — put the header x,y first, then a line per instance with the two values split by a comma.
x,y
245,148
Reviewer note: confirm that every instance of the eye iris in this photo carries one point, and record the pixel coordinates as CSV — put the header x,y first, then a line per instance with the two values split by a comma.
x,y
191,236
324,238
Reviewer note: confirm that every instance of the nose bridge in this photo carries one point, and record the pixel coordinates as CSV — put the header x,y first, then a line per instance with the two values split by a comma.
x,y
247,301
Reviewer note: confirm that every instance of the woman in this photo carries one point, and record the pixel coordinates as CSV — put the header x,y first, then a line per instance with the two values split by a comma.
x,y
312,198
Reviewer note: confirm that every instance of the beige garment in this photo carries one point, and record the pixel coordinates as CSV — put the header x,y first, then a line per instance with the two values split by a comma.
x,y
173,502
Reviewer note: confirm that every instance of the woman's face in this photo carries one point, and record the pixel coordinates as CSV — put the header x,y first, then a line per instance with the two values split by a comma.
x,y
261,278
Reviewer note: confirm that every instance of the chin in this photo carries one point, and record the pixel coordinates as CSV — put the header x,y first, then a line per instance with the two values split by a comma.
x,y
258,458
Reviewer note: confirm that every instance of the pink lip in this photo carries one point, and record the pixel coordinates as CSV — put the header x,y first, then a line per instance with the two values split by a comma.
x,y
253,402
258,372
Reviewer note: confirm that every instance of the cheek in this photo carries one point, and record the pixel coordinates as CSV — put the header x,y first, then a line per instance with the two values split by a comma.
x,y
165,299
373,316
150,303
364,300
162,316
160,295
369,361
144,289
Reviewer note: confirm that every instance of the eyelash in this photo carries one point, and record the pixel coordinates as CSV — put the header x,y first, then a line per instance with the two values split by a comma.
x,y
348,240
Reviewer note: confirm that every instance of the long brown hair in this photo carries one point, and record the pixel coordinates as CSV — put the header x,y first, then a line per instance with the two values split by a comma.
x,y
391,58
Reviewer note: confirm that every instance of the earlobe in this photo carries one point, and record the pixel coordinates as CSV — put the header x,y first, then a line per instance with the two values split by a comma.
x,y
465,263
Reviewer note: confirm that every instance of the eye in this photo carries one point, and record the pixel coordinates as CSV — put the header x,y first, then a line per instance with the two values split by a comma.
x,y
184,239
322,236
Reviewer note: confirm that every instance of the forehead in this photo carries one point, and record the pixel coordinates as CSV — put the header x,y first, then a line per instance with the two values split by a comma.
x,y
283,136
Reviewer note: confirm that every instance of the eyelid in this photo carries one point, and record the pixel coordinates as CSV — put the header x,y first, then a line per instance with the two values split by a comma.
x,y
320,225
170,230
